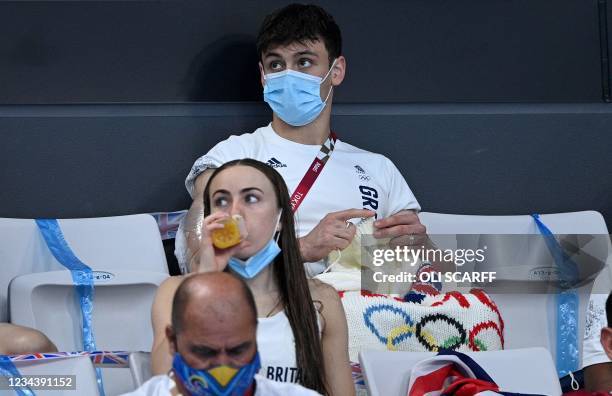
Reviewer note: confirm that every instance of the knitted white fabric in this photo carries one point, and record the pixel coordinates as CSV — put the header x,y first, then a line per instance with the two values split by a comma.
x,y
461,322
344,270
429,322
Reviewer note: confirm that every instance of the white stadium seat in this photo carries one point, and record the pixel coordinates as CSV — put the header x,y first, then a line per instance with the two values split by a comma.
x,y
121,315
128,262
80,366
140,367
122,242
529,317
387,373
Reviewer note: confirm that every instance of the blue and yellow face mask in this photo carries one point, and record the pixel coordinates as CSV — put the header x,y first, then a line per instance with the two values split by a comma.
x,y
217,381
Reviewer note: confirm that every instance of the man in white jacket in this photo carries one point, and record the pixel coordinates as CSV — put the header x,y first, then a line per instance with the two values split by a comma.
x,y
213,340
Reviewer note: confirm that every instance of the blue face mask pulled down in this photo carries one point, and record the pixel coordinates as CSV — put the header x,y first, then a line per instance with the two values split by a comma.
x,y
255,264
217,381
294,96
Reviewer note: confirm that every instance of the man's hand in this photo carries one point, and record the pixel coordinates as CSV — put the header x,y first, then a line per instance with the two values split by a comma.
x,y
404,228
333,232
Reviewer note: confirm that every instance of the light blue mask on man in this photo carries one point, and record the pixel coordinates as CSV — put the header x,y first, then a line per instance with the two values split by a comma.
x,y
255,264
294,96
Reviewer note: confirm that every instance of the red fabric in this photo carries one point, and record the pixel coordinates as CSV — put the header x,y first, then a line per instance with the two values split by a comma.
x,y
478,328
469,387
433,381
457,296
460,386
307,182
309,178
367,293
425,289
482,296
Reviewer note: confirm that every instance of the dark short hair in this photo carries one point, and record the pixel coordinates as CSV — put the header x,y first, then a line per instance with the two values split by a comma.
x,y
609,309
300,23
183,294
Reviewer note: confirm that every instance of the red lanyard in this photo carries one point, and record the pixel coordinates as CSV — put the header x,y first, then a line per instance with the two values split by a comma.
x,y
313,172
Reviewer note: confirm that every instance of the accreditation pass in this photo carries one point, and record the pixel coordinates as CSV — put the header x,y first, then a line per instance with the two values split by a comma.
x,y
38,382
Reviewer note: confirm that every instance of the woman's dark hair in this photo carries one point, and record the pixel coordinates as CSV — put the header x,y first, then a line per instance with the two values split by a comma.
x,y
291,279
609,309
297,23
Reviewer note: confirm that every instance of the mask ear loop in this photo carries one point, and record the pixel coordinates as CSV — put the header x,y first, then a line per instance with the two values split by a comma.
x,y
336,261
328,93
331,88
329,71
276,226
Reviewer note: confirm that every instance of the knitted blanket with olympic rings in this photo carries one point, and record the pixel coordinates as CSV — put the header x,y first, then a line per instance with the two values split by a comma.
x,y
433,322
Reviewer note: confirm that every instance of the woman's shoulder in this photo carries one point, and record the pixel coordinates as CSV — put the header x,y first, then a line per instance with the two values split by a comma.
x,y
327,302
162,304
168,287
322,291
325,297
172,281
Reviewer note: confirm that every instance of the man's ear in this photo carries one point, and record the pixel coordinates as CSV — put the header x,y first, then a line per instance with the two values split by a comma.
x,y
338,71
606,341
171,336
261,74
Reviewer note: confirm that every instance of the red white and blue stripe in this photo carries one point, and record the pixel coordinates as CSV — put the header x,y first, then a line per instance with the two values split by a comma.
x,y
453,373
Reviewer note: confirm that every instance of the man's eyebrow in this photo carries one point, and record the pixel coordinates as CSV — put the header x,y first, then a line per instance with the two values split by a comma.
x,y
306,52
272,55
245,344
203,349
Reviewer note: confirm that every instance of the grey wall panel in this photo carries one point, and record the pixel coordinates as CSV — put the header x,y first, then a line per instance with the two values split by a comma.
x,y
80,161
498,164
607,57
472,51
91,166
398,51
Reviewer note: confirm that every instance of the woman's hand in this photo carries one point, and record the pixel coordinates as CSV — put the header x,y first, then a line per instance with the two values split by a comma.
x,y
207,258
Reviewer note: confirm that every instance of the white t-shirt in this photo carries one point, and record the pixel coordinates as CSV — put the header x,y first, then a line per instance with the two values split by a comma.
x,y
161,385
592,350
352,178
276,346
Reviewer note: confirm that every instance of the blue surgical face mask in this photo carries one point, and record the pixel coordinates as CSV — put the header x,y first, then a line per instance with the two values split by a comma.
x,y
217,381
294,96
255,264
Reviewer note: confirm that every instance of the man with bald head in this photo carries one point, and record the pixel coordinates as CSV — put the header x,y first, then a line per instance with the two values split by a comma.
x,y
213,341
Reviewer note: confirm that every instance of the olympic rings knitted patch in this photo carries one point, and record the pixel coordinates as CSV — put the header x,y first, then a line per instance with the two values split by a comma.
x,y
451,321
